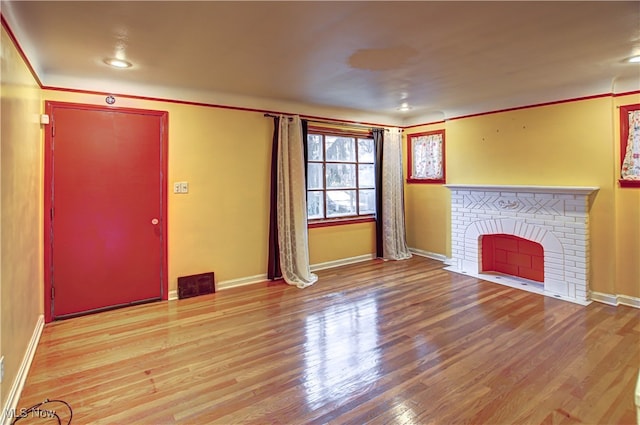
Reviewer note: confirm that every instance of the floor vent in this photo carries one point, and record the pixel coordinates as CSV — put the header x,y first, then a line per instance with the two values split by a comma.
x,y
197,284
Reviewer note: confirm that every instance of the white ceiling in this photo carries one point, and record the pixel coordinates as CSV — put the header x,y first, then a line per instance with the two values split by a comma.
x,y
445,59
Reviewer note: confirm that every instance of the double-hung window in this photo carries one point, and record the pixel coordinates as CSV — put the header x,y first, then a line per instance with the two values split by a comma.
x,y
340,176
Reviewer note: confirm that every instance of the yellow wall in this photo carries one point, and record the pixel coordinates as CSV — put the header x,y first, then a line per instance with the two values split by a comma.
x,y
339,242
20,210
428,221
222,224
627,221
567,144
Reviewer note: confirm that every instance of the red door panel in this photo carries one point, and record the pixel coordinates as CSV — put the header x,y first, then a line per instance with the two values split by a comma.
x,y
107,193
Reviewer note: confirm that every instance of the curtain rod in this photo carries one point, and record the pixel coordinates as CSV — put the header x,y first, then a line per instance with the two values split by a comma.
x,y
334,122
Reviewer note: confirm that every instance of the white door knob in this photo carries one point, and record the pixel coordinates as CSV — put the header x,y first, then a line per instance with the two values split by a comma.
x,y
155,221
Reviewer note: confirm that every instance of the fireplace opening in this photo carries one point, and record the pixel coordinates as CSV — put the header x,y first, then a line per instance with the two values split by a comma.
x,y
512,255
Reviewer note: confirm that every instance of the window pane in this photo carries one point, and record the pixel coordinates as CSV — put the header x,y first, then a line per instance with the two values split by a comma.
x,y
341,176
367,201
341,203
366,175
315,176
315,205
365,150
340,149
314,145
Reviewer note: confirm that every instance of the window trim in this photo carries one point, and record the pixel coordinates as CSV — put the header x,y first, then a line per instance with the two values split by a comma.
x,y
351,219
624,138
410,161
329,222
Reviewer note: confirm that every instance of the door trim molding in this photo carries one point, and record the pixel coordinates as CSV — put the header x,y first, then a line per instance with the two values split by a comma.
x,y
50,107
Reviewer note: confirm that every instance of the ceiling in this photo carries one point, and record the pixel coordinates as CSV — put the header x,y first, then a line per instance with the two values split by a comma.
x,y
444,59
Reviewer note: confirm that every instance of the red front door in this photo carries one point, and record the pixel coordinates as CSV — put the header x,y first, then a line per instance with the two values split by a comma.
x,y
107,213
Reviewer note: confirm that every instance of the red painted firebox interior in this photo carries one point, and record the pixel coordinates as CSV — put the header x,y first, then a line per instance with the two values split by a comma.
x,y
513,255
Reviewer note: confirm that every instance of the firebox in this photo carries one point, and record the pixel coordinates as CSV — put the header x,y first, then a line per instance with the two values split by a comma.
x,y
512,255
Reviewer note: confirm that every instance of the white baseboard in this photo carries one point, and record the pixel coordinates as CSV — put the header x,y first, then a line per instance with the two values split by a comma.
x,y
629,301
604,298
242,281
249,280
615,300
234,283
18,384
342,262
428,254
227,284
637,400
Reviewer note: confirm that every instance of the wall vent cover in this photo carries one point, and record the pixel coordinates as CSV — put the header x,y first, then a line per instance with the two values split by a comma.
x,y
197,284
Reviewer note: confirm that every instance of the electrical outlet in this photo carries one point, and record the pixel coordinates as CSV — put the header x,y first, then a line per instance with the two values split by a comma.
x,y
176,187
1,369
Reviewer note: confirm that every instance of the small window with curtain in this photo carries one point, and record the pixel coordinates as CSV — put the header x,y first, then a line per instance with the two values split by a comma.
x,y
425,157
630,146
340,176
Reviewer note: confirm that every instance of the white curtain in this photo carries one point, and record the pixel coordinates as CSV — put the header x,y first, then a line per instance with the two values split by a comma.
x,y
427,154
393,228
292,205
631,163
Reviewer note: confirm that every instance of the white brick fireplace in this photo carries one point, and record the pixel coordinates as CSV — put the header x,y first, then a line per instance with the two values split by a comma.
x,y
556,217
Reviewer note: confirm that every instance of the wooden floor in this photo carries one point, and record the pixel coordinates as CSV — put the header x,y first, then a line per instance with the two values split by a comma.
x,y
376,342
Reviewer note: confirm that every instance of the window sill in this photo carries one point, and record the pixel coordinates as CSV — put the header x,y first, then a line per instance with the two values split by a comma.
x,y
428,181
629,183
340,221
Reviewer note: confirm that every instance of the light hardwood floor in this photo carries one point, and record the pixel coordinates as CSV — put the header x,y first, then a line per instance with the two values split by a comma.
x,y
376,342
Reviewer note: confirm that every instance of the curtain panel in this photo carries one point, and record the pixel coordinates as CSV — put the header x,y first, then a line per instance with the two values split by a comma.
x,y
288,210
393,224
273,261
378,136
391,241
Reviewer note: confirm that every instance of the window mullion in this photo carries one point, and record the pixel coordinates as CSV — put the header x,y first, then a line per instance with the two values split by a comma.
x,y
324,188
324,176
355,140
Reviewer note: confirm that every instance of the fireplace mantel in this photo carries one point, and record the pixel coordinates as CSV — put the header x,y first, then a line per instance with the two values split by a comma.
x,y
572,190
556,217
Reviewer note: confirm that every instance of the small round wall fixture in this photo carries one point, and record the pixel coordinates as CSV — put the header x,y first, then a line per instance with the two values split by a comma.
x,y
110,100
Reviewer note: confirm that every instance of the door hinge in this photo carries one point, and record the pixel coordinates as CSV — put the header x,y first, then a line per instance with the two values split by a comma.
x,y
51,214
53,131
53,292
